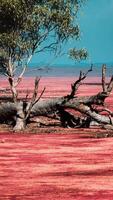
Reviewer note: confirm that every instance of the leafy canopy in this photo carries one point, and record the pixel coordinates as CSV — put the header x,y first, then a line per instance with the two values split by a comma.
x,y
26,25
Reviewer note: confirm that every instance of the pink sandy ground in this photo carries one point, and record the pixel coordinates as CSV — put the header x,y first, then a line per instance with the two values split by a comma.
x,y
58,86
56,166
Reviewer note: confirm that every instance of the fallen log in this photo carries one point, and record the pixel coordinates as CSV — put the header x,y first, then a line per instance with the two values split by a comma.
x,y
85,105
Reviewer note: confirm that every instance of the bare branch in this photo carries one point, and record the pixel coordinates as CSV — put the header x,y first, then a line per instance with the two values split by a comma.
x,y
76,84
104,78
11,80
34,98
39,96
51,46
94,115
10,68
27,95
110,85
41,39
22,73
35,90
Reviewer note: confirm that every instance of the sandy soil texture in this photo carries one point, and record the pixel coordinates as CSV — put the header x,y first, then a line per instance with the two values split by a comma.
x,y
56,163
55,167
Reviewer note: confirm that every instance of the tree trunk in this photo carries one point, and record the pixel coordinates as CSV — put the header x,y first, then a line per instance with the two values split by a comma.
x,y
13,89
20,117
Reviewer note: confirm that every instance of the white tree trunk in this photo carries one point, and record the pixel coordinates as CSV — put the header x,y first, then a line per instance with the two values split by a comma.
x,y
20,117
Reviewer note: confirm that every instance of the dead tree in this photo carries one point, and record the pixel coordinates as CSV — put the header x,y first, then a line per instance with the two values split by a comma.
x,y
91,108
85,105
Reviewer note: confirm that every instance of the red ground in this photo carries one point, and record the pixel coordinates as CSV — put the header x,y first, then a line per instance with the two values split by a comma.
x,y
55,167
65,164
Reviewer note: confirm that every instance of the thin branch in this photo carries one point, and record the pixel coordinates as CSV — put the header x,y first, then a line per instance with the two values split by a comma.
x,y
34,98
35,90
42,38
104,78
23,71
40,96
10,68
47,47
11,80
27,95
110,85
76,84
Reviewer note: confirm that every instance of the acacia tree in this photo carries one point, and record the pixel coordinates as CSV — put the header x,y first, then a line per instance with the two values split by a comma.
x,y
26,25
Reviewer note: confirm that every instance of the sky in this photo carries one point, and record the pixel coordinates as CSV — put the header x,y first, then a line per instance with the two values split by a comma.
x,y
96,25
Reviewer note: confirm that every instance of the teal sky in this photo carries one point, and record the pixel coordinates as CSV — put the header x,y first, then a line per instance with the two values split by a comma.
x,y
96,24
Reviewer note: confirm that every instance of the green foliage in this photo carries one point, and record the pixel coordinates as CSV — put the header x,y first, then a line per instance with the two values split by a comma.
x,y
78,54
3,65
27,24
